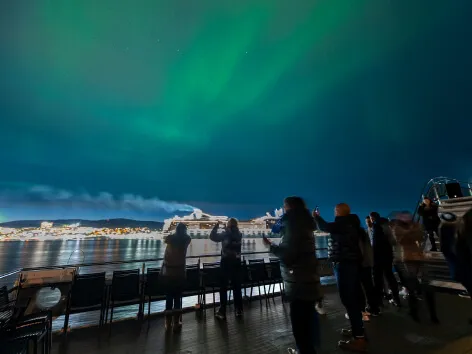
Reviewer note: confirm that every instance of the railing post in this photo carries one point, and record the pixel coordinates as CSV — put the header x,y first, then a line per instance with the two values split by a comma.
x,y
435,189
143,284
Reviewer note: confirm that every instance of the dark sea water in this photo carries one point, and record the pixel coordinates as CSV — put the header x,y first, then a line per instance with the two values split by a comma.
x,y
18,254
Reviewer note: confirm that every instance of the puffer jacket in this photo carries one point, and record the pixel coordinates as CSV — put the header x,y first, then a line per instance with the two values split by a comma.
x,y
297,254
408,237
230,242
173,265
343,243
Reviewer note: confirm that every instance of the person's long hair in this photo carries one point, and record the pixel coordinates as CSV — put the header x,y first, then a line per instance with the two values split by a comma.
x,y
298,214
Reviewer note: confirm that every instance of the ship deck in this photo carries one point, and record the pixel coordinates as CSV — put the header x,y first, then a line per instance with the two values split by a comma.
x,y
266,329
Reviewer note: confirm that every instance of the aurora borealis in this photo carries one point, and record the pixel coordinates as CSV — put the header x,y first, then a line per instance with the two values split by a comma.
x,y
230,105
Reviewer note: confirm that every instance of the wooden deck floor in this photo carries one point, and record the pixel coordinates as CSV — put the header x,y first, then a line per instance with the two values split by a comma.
x,y
267,330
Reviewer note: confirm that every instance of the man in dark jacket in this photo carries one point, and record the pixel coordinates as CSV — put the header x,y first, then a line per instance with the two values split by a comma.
x,y
230,265
297,255
346,255
382,246
429,215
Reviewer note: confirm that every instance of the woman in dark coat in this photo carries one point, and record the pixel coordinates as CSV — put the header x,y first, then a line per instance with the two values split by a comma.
x,y
173,274
299,271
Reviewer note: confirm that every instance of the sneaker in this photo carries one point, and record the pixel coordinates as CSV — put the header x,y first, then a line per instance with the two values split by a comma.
x,y
358,345
239,313
403,293
320,308
220,315
292,351
464,294
346,332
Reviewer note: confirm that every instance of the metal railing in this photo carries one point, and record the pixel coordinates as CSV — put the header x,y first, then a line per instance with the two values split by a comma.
x,y
143,263
435,189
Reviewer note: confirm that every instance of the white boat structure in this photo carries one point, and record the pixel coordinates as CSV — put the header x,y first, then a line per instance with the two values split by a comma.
x,y
200,224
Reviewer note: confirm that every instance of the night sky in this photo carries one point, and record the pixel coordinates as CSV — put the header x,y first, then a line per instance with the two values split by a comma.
x,y
144,109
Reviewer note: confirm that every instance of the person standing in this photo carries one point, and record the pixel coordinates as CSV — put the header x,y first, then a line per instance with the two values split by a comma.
x,y
409,262
298,265
346,255
382,247
366,277
429,214
173,274
230,265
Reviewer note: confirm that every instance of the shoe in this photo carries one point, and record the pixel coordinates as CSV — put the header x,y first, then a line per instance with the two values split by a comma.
x,y
239,313
346,332
220,315
464,294
357,344
320,308
292,351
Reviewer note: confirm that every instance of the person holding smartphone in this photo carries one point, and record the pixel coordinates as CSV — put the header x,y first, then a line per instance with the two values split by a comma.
x,y
231,239
298,265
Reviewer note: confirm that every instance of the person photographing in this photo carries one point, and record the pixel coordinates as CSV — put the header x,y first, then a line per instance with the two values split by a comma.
x,y
298,265
230,265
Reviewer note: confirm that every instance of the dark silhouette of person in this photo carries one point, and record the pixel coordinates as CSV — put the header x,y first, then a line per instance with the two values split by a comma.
x,y
429,215
231,240
173,274
345,253
382,246
409,262
298,263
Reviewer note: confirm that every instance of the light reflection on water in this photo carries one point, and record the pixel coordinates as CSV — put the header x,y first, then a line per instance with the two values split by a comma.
x,y
17,254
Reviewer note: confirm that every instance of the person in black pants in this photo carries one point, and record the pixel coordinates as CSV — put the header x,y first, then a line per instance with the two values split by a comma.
x,y
367,288
382,246
173,274
230,265
410,262
345,252
298,265
429,214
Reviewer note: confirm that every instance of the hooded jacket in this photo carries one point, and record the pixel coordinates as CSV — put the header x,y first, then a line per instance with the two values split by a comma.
x,y
230,242
343,244
173,265
297,254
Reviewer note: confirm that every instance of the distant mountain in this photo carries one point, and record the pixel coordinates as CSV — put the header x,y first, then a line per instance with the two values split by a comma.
x,y
110,223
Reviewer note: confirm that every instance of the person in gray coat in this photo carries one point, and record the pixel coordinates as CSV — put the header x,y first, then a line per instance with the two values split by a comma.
x,y
173,274
298,264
